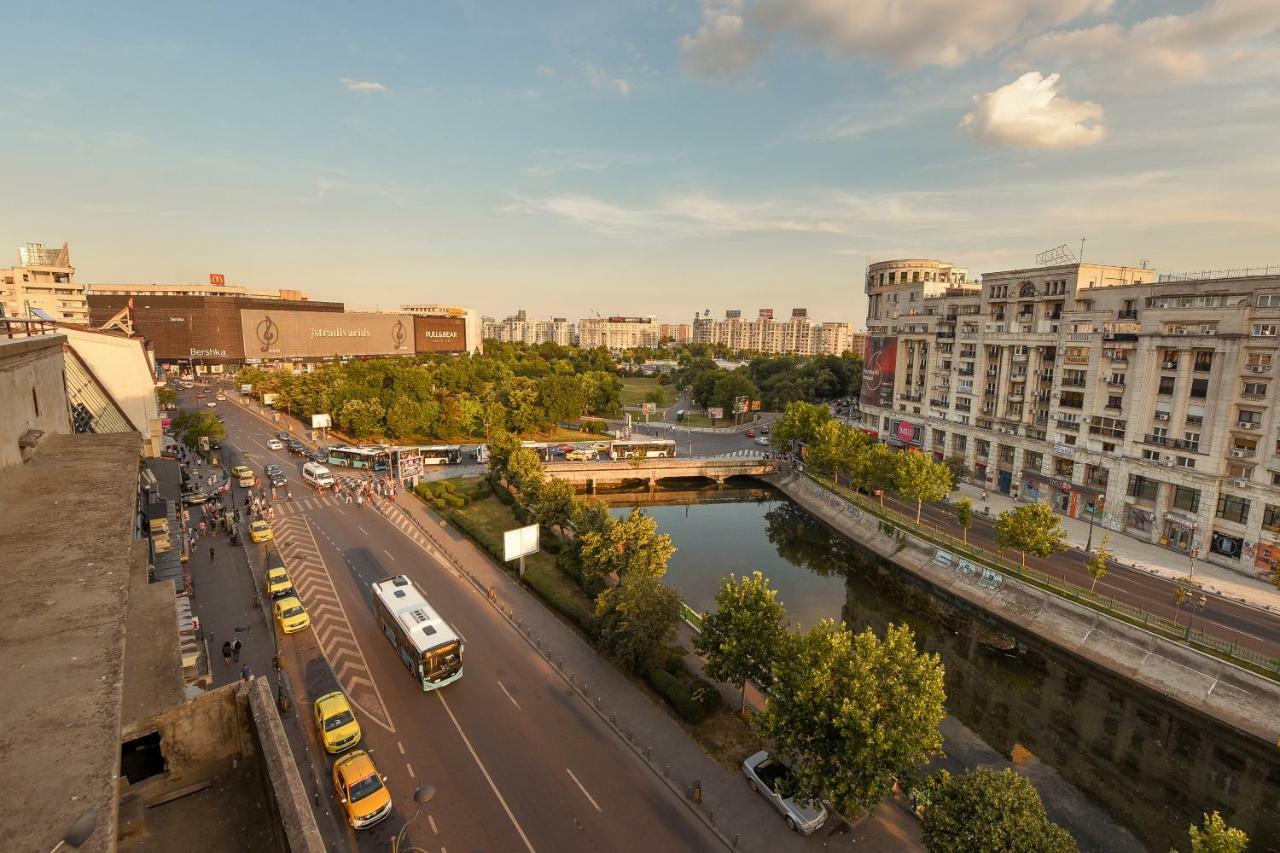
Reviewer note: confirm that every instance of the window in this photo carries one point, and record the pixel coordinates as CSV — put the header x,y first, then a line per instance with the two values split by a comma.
x,y
1142,488
1151,455
1113,402
1117,379
1186,498
1271,518
1267,300
1072,400
1233,508
1264,330
1259,361
1185,461
960,443
1166,385
1199,388
1108,447
1255,389
1246,416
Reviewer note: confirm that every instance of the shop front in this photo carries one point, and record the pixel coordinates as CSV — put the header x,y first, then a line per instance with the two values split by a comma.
x,y
1179,531
1139,521
1225,544
1267,556
1065,497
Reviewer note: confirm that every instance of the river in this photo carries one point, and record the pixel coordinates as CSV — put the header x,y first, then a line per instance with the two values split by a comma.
x,y
1119,766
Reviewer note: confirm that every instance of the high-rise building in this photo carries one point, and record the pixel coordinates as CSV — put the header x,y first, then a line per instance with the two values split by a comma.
x,y
618,333
797,336
677,333
1080,385
41,283
518,328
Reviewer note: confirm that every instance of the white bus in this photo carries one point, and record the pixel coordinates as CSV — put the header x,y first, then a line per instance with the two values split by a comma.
x,y
642,448
539,447
428,647
441,454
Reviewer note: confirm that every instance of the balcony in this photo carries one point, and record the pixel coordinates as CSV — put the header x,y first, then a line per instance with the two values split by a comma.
x,y
1076,359
1119,361
1244,452
1195,420
1168,365
940,402
1116,383
966,371
1172,443
1015,397
1074,383
1020,356
1127,315
1069,426
1249,425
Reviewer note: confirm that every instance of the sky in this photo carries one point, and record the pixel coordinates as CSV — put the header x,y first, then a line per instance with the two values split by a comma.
x,y
637,157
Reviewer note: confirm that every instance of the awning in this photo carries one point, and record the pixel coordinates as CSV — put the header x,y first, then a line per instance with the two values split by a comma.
x,y
1181,519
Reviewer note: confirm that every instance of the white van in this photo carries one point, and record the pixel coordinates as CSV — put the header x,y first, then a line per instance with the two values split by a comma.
x,y
315,474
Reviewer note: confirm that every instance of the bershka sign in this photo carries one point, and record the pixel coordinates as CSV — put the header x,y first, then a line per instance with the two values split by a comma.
x,y
208,353
308,334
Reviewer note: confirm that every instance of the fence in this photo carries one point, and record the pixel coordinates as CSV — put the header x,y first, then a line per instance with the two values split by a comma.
x,y
853,504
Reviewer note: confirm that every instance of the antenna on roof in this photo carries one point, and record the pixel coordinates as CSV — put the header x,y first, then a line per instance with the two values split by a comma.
x,y
1057,255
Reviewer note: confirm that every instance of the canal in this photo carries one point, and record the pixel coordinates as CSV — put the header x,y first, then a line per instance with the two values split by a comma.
x,y
1120,766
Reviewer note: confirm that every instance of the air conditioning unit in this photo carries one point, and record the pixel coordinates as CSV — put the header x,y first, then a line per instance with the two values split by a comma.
x,y
1248,424
1168,463
1238,453
1162,416
1240,484
1259,368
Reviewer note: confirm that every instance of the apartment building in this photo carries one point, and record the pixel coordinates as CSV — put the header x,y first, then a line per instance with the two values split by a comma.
x,y
795,336
618,333
518,328
41,282
1149,398
676,333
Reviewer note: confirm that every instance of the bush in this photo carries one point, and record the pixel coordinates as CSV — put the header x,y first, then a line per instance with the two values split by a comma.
x,y
570,608
693,698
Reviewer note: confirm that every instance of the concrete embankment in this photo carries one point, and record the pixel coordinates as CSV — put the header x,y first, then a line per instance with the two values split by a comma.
x,y
1236,697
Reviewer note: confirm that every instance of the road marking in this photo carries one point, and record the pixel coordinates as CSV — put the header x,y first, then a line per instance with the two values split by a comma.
x,y
362,530
487,777
399,744
409,767
584,790
389,556
431,820
509,696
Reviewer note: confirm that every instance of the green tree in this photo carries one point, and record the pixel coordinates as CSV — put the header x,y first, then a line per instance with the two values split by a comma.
x,y
854,712
742,636
800,422
729,387
1182,592
554,503
989,811
964,515
629,546
1097,565
194,425
590,515
919,478
361,418
875,469
1030,529
655,396
166,396
562,397
404,418
501,445
525,471
637,620
1217,837
835,447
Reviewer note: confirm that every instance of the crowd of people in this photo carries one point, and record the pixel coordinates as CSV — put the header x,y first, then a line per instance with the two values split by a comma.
x,y
359,491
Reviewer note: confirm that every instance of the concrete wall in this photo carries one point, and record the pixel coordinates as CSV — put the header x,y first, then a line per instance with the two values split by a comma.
x,y
33,393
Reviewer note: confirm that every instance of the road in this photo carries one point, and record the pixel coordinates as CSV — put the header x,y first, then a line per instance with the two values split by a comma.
x,y
1251,627
518,762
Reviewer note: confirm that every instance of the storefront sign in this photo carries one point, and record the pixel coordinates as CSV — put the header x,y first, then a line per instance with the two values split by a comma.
x,y
208,353
906,431
279,335
1064,450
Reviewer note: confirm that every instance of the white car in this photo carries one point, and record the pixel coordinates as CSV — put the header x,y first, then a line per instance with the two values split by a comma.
x,y
212,404
762,441
275,444
766,776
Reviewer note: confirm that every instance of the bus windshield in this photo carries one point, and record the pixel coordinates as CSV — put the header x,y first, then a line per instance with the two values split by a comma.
x,y
442,660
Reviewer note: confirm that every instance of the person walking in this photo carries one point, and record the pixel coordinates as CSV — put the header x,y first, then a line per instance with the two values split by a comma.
x,y
226,653
212,553
245,673
235,649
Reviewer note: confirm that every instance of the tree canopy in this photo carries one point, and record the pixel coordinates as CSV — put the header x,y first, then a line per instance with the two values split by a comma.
x,y
1217,837
989,811
627,546
1031,529
919,478
742,636
637,620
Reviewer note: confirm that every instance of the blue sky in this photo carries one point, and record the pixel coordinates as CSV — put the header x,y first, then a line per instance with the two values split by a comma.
x,y
638,157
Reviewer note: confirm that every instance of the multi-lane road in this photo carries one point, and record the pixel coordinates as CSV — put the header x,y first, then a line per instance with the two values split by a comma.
x,y
518,761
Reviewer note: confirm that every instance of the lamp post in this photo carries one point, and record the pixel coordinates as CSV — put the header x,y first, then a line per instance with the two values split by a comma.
x,y
79,831
421,796
1195,607
1090,510
1193,551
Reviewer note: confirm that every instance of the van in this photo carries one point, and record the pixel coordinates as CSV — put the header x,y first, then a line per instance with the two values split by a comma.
x,y
315,474
481,454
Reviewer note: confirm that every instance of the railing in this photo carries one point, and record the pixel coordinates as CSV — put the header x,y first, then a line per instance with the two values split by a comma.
x,y
1205,275
1070,426
16,327
1175,443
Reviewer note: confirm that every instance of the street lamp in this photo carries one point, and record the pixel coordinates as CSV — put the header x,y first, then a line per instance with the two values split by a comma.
x,y
1090,511
421,796
79,831
1193,551
1195,607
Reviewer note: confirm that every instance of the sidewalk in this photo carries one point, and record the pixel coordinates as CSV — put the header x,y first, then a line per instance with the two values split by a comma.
x,y
728,806
1143,555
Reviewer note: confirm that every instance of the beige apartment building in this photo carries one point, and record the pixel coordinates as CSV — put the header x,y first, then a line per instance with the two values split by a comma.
x,y
1077,384
676,333
41,282
796,336
618,333
518,328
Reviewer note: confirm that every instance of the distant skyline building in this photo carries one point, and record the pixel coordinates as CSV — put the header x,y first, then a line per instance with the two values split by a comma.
x,y
41,282
797,336
619,333
518,328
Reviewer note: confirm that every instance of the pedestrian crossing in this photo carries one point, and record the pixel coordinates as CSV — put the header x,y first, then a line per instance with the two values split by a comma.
x,y
745,454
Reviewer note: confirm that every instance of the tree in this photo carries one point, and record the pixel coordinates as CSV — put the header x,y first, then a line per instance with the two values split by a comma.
x,y
919,478
166,396
1217,837
1182,592
742,636
835,447
590,515
964,515
630,546
874,469
800,423
194,425
637,621
554,503
525,471
1097,565
1030,529
562,397
501,445
854,712
730,386
989,811
361,418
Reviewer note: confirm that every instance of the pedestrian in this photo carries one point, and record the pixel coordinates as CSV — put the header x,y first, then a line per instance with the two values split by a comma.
x,y
245,673
226,653
984,495
235,649
211,553
288,494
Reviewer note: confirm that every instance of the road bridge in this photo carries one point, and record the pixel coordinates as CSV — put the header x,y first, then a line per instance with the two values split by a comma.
x,y
589,475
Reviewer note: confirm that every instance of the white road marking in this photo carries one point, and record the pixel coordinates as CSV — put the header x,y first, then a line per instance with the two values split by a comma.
x,y
509,696
409,767
389,555
362,530
399,744
487,777
584,790
431,820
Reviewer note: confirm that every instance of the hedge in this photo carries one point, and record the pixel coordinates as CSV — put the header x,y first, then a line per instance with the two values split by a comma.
x,y
693,698
572,609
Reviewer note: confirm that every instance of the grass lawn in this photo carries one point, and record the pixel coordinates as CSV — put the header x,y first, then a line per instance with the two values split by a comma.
x,y
697,419
634,389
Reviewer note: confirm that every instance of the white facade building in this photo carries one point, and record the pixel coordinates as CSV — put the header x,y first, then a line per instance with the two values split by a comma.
x,y
518,328
796,336
619,333
42,280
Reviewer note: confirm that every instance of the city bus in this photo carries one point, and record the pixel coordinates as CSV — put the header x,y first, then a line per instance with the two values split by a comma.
x,y
642,448
371,458
428,647
539,447
441,454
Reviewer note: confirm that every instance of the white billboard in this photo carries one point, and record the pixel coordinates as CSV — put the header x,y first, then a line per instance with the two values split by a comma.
x,y
321,421
520,542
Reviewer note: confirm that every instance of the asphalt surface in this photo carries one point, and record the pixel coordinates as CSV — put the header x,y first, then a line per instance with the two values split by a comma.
x,y
1251,627
517,761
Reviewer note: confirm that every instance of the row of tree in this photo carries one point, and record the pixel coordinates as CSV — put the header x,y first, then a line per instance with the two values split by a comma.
x,y
774,380
433,398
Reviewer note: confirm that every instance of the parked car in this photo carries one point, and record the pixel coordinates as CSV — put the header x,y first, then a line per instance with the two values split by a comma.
x,y
278,583
291,615
194,498
767,776
762,441
212,404
316,455
360,788
751,433
275,444
278,479
260,531
295,446
282,435
336,722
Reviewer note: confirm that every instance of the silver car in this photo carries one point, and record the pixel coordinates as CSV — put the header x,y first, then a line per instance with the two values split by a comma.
x,y
765,776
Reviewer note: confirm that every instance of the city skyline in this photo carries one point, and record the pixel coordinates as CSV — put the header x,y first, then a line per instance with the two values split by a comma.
x,y
618,161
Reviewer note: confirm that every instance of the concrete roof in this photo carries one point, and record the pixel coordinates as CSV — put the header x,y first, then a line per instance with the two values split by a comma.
x,y
66,530
152,661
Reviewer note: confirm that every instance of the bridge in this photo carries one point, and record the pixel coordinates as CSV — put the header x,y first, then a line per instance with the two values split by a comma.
x,y
589,475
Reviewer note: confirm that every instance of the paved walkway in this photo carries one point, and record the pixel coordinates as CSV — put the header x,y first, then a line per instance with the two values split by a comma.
x,y
1145,556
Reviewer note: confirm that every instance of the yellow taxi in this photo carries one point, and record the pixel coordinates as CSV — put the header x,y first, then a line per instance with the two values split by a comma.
x,y
278,584
336,723
600,447
580,455
243,475
291,615
260,531
360,788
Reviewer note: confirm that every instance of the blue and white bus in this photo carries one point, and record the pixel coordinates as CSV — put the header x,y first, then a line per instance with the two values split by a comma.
x,y
428,647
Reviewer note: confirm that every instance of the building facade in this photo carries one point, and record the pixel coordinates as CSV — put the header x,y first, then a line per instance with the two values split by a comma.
x,y
618,333
217,286
1078,385
519,329
676,333
41,282
795,336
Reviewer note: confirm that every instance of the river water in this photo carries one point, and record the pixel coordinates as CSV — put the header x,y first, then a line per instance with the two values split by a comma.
x,y
1091,742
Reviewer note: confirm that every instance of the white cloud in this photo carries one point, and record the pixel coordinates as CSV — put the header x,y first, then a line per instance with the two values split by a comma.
x,y
361,85
1030,113
1167,48
602,79
722,45
546,71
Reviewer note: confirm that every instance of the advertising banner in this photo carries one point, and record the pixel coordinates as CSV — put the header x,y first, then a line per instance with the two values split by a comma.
x,y
879,372
439,334
271,335
715,412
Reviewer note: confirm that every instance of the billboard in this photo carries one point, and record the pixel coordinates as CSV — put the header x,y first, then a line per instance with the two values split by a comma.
x,y
879,371
322,421
440,334
519,542
715,412
315,334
